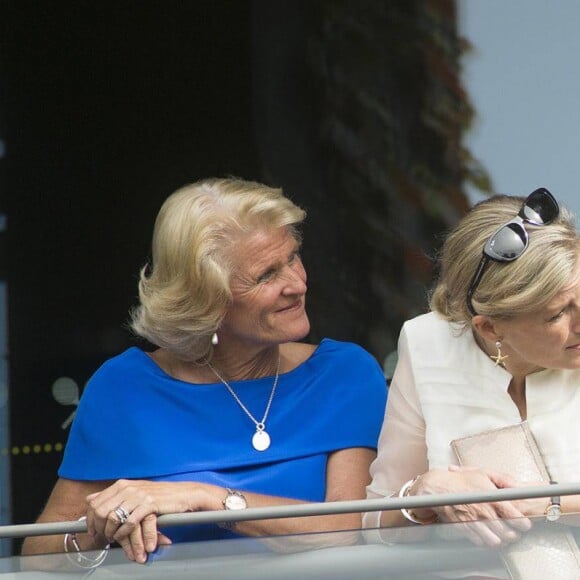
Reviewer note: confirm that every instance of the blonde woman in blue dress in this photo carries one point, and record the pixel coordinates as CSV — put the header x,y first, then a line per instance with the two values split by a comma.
x,y
229,409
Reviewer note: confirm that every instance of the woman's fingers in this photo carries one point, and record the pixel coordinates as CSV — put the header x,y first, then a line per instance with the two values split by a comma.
x,y
163,540
98,517
100,511
140,540
108,521
132,545
516,519
465,520
138,535
131,537
502,480
149,532
485,533
483,523
111,524
498,532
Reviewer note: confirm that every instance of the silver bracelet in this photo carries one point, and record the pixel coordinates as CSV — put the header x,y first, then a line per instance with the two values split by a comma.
x,y
79,558
412,517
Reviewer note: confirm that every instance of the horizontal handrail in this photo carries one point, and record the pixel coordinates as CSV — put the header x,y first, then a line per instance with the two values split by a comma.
x,y
311,509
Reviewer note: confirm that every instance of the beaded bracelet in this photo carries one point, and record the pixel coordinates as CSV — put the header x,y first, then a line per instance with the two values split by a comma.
x,y
80,558
412,517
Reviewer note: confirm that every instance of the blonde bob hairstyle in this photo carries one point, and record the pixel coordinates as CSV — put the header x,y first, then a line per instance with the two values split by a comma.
x,y
507,289
185,292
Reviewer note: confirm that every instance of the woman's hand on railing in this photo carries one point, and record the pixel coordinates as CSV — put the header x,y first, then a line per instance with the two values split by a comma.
x,y
483,523
126,512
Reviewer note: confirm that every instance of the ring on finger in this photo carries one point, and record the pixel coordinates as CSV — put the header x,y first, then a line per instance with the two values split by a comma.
x,y
122,514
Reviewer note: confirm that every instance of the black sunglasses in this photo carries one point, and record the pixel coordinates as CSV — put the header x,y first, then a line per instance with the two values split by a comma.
x,y
510,241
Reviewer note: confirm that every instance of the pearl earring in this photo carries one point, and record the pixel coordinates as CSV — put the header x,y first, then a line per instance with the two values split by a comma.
x,y
214,339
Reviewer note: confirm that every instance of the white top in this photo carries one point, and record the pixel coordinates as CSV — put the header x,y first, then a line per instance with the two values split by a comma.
x,y
446,387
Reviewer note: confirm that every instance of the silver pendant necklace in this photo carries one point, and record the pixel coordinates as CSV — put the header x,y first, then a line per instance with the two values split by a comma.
x,y
261,439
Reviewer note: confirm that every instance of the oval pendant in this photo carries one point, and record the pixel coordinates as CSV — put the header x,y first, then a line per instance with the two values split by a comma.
x,y
261,441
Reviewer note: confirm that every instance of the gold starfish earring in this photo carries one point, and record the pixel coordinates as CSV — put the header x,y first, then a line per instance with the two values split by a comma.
x,y
498,358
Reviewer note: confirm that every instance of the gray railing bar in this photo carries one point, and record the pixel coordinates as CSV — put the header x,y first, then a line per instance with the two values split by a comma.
x,y
311,509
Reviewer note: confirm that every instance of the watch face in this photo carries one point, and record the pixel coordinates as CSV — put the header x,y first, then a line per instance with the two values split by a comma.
x,y
235,502
553,512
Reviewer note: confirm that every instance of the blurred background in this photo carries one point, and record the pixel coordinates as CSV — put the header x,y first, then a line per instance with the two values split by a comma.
x,y
384,119
523,78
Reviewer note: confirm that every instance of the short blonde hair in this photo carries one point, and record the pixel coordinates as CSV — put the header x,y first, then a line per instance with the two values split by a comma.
x,y
185,293
506,289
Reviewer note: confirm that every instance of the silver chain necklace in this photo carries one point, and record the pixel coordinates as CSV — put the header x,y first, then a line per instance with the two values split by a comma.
x,y
261,439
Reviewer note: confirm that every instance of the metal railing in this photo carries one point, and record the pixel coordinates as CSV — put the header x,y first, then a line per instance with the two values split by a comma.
x,y
311,509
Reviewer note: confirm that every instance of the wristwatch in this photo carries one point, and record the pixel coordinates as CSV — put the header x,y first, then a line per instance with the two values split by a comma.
x,y
554,509
234,500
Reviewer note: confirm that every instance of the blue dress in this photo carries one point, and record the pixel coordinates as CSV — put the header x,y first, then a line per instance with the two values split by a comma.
x,y
134,421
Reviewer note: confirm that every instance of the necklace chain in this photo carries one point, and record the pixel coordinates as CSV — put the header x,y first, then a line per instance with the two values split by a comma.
x,y
260,425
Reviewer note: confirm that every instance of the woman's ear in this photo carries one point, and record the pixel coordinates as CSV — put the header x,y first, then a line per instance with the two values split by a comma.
x,y
485,327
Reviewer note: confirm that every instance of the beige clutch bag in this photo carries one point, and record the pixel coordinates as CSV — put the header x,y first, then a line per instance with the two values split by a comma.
x,y
511,450
545,551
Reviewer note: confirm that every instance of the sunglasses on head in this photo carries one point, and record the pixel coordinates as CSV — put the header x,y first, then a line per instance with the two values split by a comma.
x,y
510,241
